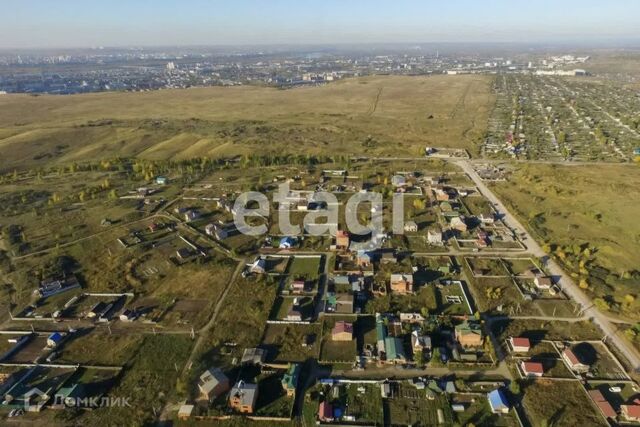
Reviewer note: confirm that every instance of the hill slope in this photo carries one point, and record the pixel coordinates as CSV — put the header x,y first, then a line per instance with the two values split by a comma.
x,y
375,115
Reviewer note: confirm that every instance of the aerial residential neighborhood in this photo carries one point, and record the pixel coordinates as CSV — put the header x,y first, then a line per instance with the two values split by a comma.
x,y
323,325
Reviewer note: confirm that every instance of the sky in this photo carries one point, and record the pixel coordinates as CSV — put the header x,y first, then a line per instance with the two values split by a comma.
x,y
91,23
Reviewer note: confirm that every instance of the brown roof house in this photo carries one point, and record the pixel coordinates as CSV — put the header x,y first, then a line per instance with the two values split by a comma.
x,y
342,239
342,331
458,223
469,334
401,283
542,282
212,383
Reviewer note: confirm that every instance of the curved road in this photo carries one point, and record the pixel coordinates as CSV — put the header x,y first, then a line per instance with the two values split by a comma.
x,y
565,282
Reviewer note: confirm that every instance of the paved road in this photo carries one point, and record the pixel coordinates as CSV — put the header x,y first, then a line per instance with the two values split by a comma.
x,y
565,281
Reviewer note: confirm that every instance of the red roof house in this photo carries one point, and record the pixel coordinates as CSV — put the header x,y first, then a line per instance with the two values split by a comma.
x,y
630,412
532,369
325,412
520,344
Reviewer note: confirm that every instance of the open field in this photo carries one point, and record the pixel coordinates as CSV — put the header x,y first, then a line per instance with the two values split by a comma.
x,y
565,404
587,221
376,115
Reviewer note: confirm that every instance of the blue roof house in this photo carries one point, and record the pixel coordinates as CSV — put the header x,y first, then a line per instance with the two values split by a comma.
x,y
287,242
498,402
54,339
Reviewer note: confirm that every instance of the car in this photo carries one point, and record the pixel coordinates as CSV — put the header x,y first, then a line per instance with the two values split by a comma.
x,y
615,389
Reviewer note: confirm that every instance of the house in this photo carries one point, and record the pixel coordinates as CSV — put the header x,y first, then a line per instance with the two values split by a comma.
x,y
128,315
53,286
287,242
325,412
342,239
363,259
72,392
401,283
220,231
602,403
498,402
630,412
440,194
290,379
381,334
458,223
573,362
420,342
410,227
411,318
191,215
343,303
253,356
394,350
434,237
520,344
96,310
469,334
298,286
243,397
385,390
185,411
398,181
54,339
259,266
294,314
212,384
183,253
486,218
342,331
542,282
482,240
532,369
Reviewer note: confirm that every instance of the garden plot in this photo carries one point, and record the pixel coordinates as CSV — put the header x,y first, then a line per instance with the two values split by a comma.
x,y
409,406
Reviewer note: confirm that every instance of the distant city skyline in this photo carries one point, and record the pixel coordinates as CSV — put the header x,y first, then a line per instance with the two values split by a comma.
x,y
76,24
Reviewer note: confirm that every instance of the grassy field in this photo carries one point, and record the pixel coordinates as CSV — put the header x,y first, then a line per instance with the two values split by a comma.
x,y
377,115
587,217
565,404
537,330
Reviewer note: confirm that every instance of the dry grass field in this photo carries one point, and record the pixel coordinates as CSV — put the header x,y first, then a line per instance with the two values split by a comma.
x,y
380,115
588,217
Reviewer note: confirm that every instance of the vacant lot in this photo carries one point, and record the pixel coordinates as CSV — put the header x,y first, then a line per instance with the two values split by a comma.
x,y
565,404
587,217
381,115
285,342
